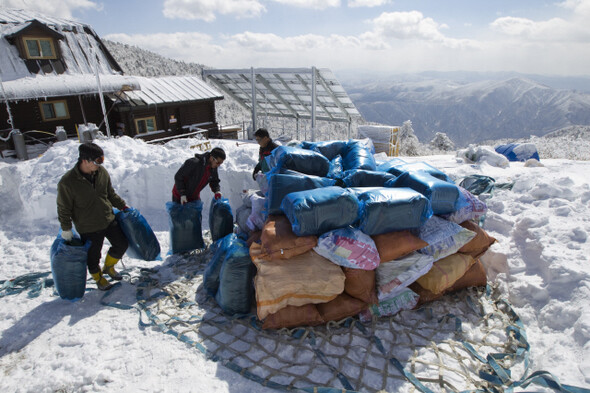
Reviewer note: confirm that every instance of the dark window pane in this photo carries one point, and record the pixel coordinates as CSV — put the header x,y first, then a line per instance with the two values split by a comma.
x,y
33,48
48,112
46,48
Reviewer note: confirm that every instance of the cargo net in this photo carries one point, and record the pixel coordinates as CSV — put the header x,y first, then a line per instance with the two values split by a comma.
x,y
442,346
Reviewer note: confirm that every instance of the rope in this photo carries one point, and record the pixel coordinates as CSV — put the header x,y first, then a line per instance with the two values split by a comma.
x,y
470,341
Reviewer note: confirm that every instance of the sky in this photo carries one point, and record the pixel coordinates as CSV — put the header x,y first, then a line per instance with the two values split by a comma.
x,y
386,36
539,264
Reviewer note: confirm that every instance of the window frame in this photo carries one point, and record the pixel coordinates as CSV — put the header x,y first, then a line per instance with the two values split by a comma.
x,y
53,102
145,118
38,41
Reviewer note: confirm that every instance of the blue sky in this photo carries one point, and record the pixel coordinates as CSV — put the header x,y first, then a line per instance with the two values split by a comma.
x,y
397,36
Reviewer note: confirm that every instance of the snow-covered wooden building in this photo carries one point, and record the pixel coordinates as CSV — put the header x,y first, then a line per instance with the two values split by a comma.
x,y
58,73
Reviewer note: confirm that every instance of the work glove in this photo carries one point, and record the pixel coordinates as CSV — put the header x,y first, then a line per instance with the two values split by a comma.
x,y
217,195
183,199
67,235
254,175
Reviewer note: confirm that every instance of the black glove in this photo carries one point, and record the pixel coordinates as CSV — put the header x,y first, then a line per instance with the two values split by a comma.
x,y
254,175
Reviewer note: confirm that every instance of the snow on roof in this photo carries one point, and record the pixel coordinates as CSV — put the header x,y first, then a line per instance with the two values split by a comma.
x,y
80,51
173,89
64,85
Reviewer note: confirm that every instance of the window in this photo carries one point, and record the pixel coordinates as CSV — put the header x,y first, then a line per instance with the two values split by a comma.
x,y
54,110
145,124
40,48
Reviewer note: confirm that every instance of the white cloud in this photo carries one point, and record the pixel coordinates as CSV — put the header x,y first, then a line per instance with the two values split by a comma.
x,y
57,8
552,30
313,4
207,10
367,3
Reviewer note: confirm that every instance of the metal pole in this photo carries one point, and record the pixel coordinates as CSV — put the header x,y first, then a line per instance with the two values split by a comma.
x,y
104,111
7,106
313,93
82,108
251,133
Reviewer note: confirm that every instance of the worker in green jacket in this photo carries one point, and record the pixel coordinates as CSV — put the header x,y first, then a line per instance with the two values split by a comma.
x,y
85,196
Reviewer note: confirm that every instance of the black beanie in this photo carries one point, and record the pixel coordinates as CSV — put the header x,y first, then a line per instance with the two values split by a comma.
x,y
90,151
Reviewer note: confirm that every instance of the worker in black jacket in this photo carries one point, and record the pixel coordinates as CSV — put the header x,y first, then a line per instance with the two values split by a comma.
x,y
266,147
195,174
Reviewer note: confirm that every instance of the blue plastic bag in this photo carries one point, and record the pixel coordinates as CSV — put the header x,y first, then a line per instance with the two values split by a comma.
x,y
143,243
384,210
444,197
221,219
329,149
185,226
236,287
365,178
211,273
300,160
317,211
518,151
358,156
279,185
419,167
68,267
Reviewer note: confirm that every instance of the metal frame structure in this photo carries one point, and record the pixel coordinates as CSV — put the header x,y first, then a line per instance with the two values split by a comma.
x,y
297,93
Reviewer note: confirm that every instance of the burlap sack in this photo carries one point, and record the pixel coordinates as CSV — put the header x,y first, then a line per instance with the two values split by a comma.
x,y
279,242
303,279
480,243
445,272
394,245
342,307
292,316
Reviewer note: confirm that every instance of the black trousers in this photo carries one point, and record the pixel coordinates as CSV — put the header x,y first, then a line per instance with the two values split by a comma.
x,y
118,241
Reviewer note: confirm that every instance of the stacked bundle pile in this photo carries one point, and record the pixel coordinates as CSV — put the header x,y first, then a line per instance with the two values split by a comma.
x,y
336,234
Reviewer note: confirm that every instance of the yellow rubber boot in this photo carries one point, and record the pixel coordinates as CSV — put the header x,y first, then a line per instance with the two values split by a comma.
x,y
109,268
101,282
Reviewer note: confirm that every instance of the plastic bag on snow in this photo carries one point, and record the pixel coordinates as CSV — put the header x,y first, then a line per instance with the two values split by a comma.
x,y
68,267
221,219
143,243
185,226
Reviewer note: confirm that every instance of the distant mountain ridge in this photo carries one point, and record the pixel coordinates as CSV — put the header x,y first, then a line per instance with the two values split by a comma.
x,y
468,110
472,112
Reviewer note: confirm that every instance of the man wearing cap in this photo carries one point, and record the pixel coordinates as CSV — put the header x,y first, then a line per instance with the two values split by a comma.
x,y
266,147
85,196
195,174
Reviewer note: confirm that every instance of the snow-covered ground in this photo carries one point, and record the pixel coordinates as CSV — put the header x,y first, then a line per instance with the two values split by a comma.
x,y
540,264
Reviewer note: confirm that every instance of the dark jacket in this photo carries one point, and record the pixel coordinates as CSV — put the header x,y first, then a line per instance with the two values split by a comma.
x,y
264,152
187,180
89,206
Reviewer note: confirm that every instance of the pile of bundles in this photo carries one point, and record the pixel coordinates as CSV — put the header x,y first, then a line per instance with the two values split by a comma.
x,y
335,234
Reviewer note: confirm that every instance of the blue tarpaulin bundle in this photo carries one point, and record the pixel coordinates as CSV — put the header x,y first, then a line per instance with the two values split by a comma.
x,y
358,156
185,226
300,160
279,185
385,166
236,288
143,243
365,178
398,169
384,210
329,149
221,219
211,273
317,211
518,151
443,196
68,266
